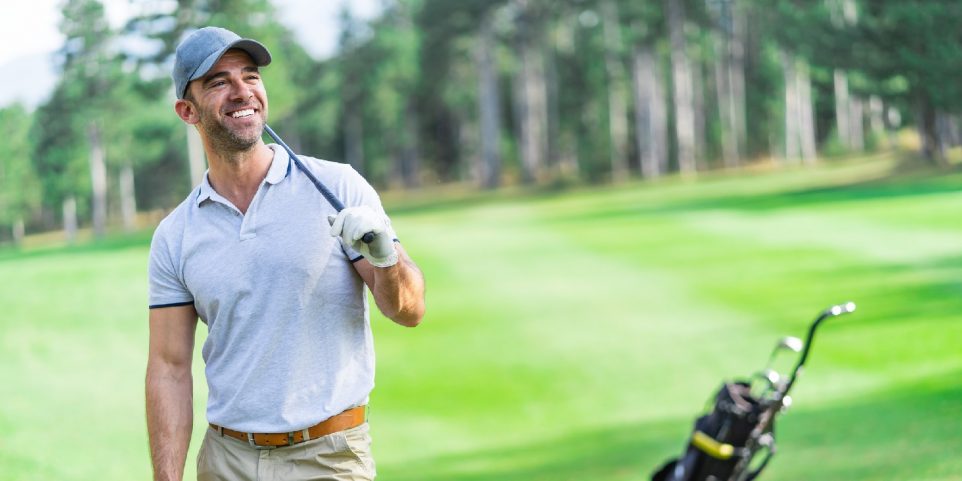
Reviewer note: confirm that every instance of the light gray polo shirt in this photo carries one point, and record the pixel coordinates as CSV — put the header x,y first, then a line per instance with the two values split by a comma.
x,y
289,341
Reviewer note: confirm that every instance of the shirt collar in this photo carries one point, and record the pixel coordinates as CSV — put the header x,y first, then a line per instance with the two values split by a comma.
x,y
280,167
205,191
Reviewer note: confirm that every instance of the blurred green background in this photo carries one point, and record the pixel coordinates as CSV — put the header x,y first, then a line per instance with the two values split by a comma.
x,y
617,205
570,335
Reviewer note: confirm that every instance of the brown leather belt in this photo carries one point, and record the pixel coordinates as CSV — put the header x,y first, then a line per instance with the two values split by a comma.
x,y
351,418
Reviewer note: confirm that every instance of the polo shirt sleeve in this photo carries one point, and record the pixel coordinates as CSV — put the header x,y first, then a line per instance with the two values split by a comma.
x,y
166,287
356,191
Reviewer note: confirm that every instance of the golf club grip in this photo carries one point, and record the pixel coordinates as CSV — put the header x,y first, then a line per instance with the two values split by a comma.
x,y
331,198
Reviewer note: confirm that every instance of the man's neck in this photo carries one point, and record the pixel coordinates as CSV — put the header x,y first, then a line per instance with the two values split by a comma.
x,y
238,175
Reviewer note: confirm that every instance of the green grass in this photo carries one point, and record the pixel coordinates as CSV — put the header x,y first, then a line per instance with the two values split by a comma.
x,y
570,335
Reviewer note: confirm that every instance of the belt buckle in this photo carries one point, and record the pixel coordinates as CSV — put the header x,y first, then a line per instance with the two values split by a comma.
x,y
250,440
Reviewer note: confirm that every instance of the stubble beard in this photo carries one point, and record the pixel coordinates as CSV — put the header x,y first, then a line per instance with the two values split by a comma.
x,y
227,140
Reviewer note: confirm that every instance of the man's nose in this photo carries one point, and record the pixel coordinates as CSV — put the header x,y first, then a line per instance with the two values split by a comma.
x,y
240,90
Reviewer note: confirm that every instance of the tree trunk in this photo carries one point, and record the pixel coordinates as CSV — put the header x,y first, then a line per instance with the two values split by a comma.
x,y
408,150
682,88
617,99
736,69
128,201
856,117
791,108
842,123
944,123
195,156
699,102
70,219
806,119
932,145
849,109
98,180
564,142
18,231
651,125
876,110
530,93
726,102
489,108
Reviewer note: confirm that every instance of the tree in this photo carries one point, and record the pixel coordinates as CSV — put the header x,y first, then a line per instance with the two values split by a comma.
x,y
74,108
77,108
392,80
489,106
848,107
530,89
911,48
729,77
646,27
617,90
683,88
19,189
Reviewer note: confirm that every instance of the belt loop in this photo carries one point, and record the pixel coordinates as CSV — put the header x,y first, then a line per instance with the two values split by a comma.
x,y
307,434
220,430
290,438
250,440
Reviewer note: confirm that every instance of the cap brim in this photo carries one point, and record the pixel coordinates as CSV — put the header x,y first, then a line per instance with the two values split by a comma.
x,y
255,49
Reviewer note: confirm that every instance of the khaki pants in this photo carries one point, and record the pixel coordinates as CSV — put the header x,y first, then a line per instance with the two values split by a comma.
x,y
341,456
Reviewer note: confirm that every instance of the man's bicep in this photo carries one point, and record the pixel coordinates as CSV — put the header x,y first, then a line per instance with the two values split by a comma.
x,y
172,332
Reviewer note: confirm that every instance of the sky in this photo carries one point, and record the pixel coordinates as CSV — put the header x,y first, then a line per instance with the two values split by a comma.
x,y
29,34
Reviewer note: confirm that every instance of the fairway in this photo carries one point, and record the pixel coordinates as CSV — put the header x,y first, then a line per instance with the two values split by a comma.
x,y
570,335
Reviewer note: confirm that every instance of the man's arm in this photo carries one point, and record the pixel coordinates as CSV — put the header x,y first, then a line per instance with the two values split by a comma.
x,y
398,290
169,383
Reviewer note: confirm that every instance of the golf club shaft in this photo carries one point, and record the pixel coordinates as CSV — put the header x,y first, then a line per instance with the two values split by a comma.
x,y
830,312
331,198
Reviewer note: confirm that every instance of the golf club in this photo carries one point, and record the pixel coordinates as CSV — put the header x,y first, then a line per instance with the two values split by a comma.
x,y
331,198
764,383
781,400
830,312
787,343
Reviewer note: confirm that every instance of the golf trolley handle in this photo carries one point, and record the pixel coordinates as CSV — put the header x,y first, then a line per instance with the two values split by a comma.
x,y
833,311
331,198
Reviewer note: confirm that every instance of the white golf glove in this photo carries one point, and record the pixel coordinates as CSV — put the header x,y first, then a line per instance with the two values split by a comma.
x,y
353,222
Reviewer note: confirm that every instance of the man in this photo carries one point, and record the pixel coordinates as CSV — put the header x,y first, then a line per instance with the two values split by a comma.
x,y
252,253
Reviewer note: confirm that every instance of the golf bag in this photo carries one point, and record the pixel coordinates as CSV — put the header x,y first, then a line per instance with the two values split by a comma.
x,y
719,442
735,440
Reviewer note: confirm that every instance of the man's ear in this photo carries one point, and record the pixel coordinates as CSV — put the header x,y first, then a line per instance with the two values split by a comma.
x,y
187,111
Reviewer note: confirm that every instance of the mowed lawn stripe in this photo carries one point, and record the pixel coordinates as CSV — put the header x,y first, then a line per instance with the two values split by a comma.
x,y
540,327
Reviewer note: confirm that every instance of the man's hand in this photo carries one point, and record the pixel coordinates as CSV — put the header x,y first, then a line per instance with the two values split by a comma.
x,y
353,222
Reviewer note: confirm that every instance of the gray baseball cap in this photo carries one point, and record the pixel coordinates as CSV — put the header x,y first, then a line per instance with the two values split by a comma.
x,y
197,53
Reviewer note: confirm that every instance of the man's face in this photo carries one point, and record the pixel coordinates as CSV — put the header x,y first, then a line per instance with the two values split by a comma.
x,y
231,102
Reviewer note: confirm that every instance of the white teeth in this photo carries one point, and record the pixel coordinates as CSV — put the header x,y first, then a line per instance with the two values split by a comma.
x,y
242,113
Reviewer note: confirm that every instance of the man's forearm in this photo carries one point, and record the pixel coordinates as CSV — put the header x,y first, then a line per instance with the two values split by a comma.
x,y
170,415
399,292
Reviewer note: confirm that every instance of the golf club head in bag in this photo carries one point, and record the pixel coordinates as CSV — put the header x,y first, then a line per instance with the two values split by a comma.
x,y
735,440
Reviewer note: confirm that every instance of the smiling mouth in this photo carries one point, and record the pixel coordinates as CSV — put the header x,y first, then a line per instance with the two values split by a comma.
x,y
241,113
